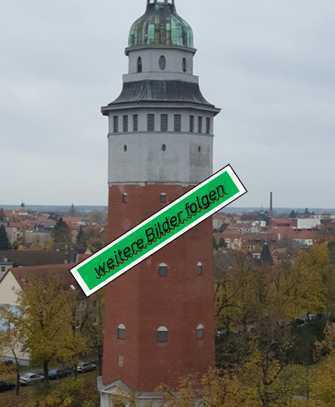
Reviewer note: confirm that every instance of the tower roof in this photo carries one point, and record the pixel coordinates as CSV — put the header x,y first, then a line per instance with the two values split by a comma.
x,y
161,26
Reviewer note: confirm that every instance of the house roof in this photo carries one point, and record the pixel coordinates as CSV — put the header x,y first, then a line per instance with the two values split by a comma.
x,y
33,257
24,275
148,91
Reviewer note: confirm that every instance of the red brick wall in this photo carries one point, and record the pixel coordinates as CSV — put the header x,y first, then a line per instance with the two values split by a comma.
x,y
143,301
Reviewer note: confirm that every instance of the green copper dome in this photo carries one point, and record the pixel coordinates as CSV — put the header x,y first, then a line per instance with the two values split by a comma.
x,y
161,26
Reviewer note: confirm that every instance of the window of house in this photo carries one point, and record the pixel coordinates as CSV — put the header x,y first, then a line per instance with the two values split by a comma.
x,y
200,267
124,197
125,124
162,334
139,65
184,65
151,122
164,147
115,124
121,331
135,122
208,125
199,124
162,62
199,149
200,331
125,148
164,122
191,124
177,122
163,270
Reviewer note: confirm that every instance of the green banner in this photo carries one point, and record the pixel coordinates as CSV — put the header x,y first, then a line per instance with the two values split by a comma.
x,y
168,224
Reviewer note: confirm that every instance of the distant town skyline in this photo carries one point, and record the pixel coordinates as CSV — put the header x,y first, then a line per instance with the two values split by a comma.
x,y
268,65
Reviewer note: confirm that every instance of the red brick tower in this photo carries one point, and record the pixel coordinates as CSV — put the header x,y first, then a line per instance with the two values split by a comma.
x,y
159,317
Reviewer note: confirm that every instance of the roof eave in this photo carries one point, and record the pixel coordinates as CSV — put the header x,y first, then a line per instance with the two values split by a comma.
x,y
153,46
106,110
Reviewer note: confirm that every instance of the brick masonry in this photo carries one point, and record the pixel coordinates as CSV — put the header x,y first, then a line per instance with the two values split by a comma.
x,y
144,301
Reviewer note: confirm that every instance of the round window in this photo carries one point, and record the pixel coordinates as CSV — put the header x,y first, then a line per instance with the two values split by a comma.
x,y
162,62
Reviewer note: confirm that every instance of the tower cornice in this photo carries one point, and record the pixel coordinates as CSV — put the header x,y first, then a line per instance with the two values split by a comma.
x,y
192,51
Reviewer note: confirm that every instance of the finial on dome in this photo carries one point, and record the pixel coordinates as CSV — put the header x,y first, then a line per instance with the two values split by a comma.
x,y
165,1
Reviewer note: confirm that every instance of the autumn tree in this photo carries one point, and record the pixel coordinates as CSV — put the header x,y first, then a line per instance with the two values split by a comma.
x,y
10,337
49,328
256,307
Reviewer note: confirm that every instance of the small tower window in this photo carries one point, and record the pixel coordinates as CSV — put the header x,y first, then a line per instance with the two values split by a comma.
x,y
177,122
125,148
120,361
162,62
200,331
151,122
163,270
164,147
199,149
115,124
121,331
163,197
139,65
124,198
191,124
125,124
200,268
199,124
135,122
164,122
208,125
184,65
162,334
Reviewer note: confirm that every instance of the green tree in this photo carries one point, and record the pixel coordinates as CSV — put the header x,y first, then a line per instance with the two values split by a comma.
x,y
82,240
4,241
293,214
62,235
2,215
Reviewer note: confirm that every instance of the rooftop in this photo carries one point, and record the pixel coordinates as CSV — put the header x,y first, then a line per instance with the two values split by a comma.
x,y
161,26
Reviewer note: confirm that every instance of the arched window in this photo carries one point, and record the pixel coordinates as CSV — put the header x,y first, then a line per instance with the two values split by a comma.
x,y
139,65
164,147
124,197
162,62
200,331
184,65
200,267
121,331
163,197
199,149
125,148
163,270
162,334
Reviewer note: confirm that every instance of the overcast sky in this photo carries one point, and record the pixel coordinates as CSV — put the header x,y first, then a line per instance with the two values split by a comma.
x,y
270,64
